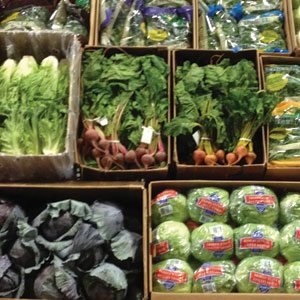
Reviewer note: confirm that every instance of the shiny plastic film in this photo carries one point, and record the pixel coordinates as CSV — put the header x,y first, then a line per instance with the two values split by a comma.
x,y
290,208
256,240
171,239
254,204
291,276
214,277
40,74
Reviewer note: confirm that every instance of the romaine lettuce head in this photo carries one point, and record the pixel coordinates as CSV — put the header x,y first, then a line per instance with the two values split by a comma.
x,y
290,241
259,274
172,276
208,204
214,277
291,275
253,204
212,241
169,205
256,240
290,208
171,239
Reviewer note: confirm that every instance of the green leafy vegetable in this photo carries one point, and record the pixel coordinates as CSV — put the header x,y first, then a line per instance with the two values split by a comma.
x,y
290,208
291,276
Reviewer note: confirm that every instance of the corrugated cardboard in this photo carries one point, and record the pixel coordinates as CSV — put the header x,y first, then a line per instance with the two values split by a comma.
x,y
183,186
202,58
273,172
131,195
40,45
89,173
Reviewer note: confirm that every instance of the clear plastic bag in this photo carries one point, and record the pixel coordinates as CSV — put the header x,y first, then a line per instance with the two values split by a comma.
x,y
263,32
290,208
284,134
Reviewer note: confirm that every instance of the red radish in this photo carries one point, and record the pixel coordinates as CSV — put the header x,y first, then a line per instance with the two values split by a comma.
x,y
147,161
107,162
241,152
250,158
210,159
91,137
160,156
119,158
140,151
130,158
198,156
220,154
231,158
104,144
122,148
97,156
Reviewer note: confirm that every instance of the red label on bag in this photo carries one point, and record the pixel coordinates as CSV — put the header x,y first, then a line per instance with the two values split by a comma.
x,y
208,271
255,243
297,285
266,280
218,246
260,199
168,275
210,205
160,248
297,234
164,196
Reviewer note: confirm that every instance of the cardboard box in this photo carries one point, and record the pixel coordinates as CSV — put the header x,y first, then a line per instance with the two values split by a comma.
x,y
289,40
89,173
130,196
290,19
183,186
275,172
202,58
40,45
99,21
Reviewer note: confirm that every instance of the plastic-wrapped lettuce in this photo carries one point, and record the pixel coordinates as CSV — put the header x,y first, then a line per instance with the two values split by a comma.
x,y
212,241
290,208
171,240
172,276
208,204
291,275
256,240
253,204
259,275
169,205
290,241
214,277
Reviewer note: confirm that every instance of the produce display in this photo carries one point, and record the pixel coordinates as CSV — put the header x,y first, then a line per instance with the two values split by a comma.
x,y
34,106
253,250
296,15
146,23
219,110
66,17
125,107
71,250
238,25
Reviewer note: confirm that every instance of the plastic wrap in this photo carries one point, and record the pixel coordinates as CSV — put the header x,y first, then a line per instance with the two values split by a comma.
x,y
291,275
214,277
256,240
121,23
15,45
209,204
259,275
290,208
212,241
263,32
172,276
290,241
284,134
171,240
169,205
254,204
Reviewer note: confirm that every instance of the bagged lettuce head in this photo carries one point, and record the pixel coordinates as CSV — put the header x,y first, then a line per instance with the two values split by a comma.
x,y
291,275
214,277
169,205
259,274
290,208
253,204
290,241
172,276
208,204
171,239
256,240
212,241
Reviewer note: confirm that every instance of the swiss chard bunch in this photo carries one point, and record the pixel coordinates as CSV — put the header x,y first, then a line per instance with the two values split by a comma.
x,y
122,95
